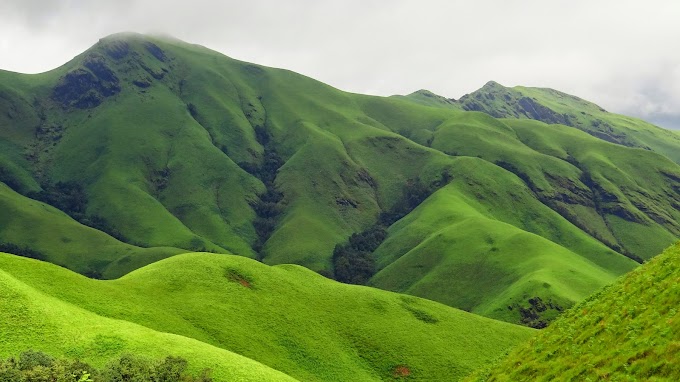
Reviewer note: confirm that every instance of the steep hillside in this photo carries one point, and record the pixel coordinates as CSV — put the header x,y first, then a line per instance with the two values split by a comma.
x,y
164,147
475,245
235,315
627,331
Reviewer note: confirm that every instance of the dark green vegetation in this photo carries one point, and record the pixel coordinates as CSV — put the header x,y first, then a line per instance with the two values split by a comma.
x,y
628,331
142,148
32,366
243,320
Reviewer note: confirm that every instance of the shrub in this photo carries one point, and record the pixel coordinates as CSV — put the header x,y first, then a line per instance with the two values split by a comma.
x,y
35,366
21,251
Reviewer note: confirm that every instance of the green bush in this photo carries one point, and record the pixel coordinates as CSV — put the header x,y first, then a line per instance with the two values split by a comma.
x,y
35,366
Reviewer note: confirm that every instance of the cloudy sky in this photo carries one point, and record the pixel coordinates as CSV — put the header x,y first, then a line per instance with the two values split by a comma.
x,y
621,54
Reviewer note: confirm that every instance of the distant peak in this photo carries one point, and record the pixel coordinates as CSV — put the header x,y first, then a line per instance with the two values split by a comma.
x,y
134,36
424,92
492,84
123,36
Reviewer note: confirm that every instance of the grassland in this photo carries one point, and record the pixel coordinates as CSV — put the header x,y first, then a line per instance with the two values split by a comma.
x,y
627,332
177,147
245,320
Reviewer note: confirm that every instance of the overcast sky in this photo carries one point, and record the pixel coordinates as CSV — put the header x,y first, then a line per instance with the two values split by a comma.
x,y
623,55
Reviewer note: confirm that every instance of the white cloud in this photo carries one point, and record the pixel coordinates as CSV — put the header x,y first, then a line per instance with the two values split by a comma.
x,y
619,54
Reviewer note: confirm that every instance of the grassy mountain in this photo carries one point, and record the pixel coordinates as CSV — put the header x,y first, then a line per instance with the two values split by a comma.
x,y
627,331
554,107
245,320
162,147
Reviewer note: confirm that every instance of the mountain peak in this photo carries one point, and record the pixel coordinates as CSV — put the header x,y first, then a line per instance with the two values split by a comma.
x,y
424,96
127,35
136,36
492,84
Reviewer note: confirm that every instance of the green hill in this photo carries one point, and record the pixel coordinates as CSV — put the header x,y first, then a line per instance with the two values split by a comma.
x,y
627,332
244,320
163,147
475,245
55,236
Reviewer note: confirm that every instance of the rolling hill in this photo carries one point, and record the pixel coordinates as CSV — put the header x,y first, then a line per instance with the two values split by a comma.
x,y
627,331
244,320
142,147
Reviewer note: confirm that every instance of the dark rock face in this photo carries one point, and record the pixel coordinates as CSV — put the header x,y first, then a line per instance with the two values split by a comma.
x,y
86,88
155,51
142,83
117,49
97,66
535,110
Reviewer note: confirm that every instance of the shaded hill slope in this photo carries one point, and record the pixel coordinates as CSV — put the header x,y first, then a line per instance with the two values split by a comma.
x,y
49,234
202,306
627,331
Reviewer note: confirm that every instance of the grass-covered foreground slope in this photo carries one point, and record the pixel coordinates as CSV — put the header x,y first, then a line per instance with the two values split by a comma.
x,y
34,319
244,319
627,332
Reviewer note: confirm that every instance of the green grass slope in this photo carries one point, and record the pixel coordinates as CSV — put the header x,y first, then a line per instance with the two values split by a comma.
x,y
204,306
483,243
634,191
627,332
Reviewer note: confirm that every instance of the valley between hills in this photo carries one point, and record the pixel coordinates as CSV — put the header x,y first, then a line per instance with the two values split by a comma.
x,y
161,199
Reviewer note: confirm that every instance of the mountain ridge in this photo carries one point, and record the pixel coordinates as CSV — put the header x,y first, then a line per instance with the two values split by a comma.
x,y
176,148
555,107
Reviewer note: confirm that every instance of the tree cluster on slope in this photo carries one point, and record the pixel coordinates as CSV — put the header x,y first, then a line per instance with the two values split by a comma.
x,y
353,261
70,197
